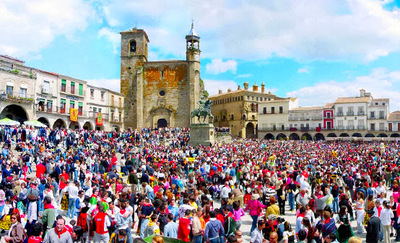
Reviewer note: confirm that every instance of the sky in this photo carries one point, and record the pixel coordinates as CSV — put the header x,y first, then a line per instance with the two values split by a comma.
x,y
316,50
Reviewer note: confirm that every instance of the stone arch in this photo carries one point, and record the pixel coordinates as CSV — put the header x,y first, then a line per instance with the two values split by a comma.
x,y
357,135
395,135
306,136
74,125
132,46
250,130
115,128
382,135
161,123
15,112
44,121
59,123
294,136
269,136
319,137
87,126
344,135
331,135
100,128
281,136
369,135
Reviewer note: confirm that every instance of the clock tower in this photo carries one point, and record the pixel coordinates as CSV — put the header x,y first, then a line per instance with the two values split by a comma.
x,y
193,59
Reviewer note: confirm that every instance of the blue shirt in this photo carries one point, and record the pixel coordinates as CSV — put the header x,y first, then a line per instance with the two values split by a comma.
x,y
171,230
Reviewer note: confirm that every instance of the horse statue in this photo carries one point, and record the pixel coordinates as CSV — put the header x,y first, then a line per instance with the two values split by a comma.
x,y
204,111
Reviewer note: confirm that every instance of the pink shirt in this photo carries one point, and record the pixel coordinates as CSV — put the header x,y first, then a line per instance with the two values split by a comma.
x,y
237,215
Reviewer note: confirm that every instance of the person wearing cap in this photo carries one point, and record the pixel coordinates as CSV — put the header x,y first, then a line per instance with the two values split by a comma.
x,y
271,225
373,228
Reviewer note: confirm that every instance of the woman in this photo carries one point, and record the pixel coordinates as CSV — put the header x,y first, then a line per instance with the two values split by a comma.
x,y
344,231
360,212
16,234
32,215
237,213
273,208
255,208
386,220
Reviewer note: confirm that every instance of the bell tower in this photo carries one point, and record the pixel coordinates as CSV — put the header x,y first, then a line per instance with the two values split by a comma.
x,y
193,59
134,53
192,45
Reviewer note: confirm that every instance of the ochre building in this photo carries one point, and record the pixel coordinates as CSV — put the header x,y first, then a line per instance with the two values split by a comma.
x,y
158,93
238,109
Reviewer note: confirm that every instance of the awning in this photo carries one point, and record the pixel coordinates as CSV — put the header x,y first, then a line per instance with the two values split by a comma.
x,y
63,81
80,103
72,102
10,84
23,86
62,101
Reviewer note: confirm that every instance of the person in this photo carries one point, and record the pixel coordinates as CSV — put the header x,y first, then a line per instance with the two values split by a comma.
x,y
119,236
101,224
238,213
32,213
256,235
36,236
328,225
77,234
123,219
239,236
196,227
73,190
171,228
344,231
272,208
59,234
386,220
373,228
16,233
158,239
288,233
255,208
302,235
359,207
229,221
273,237
214,229
331,238
152,227
49,214
184,227
355,239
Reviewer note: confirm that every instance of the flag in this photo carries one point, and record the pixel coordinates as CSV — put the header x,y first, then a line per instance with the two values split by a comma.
x,y
73,114
99,120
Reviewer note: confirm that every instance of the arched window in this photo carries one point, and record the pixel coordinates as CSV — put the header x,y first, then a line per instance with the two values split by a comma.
x,y
132,46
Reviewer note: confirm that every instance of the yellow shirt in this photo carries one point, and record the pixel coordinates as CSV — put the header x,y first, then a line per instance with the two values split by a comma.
x,y
273,209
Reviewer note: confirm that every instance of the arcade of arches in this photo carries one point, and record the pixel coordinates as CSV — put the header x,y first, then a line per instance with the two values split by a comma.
x,y
14,112
329,136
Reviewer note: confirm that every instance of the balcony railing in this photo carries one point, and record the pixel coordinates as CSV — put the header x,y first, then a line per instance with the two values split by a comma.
x,y
15,97
350,113
339,114
93,114
360,113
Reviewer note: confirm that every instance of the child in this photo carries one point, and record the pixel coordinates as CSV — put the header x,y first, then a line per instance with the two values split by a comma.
x,y
152,228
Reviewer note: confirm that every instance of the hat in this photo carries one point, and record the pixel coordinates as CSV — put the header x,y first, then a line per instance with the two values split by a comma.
x,y
271,217
371,212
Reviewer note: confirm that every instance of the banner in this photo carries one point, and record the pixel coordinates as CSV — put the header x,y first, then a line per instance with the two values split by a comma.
x,y
73,114
99,119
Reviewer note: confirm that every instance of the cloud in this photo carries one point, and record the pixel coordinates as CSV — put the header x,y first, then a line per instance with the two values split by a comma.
x,y
213,86
111,36
380,82
29,26
218,66
361,30
112,84
303,70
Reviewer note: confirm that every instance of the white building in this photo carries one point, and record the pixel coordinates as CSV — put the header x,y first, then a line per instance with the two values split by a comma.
x,y
274,115
394,121
306,118
47,101
378,111
351,113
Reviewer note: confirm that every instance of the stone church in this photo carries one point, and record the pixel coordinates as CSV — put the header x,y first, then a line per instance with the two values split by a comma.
x,y
159,93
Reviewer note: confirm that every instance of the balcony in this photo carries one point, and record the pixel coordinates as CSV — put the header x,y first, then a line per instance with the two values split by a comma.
x,y
16,98
93,114
361,113
339,114
350,113
45,89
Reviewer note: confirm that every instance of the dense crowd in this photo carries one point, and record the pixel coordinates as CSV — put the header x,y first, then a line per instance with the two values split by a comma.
x,y
134,185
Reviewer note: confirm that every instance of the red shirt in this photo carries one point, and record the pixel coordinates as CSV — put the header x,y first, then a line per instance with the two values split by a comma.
x,y
184,229
64,184
40,170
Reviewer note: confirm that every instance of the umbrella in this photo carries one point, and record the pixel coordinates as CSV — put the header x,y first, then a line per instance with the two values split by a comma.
x,y
9,122
34,124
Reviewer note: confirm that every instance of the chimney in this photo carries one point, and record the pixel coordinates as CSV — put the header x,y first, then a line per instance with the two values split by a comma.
x,y
262,87
239,88
255,88
246,86
219,91
229,90
362,92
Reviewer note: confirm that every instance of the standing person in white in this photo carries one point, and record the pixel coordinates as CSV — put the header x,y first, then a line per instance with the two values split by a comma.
x,y
386,218
73,192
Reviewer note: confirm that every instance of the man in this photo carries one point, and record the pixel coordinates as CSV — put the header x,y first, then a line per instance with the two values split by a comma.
x,y
214,229
171,229
133,180
239,236
196,227
229,221
119,236
373,228
256,235
73,191
101,224
331,238
59,234
273,237
225,191
123,219
184,227
237,194
49,214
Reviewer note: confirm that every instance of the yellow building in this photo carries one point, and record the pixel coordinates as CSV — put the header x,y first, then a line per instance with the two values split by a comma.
x,y
238,109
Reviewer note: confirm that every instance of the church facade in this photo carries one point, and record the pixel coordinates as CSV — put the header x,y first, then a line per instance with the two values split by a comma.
x,y
158,93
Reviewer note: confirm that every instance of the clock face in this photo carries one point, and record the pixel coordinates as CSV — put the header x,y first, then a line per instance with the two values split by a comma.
x,y
196,57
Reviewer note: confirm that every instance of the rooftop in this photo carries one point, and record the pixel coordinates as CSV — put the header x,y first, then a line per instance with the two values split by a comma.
x,y
344,100
394,116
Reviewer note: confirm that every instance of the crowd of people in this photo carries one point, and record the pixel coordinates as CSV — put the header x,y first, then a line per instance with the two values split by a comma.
x,y
60,185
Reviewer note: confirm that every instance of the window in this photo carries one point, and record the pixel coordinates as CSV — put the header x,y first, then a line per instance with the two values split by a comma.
x,y
162,93
381,114
80,89
120,102
72,88
272,110
372,114
112,100
9,90
102,95
94,109
71,104
132,46
49,106
381,126
46,87
162,74
280,109
80,108
91,93
340,111
62,106
22,92
232,117
63,85
99,110
328,115
264,110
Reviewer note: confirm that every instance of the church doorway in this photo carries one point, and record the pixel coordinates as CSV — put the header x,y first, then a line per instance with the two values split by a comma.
x,y
162,123
250,130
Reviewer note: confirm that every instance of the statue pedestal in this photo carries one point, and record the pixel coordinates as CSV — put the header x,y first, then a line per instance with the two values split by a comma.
x,y
201,134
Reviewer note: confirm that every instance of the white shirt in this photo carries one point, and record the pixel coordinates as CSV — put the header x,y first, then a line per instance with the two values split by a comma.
x,y
386,216
72,190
